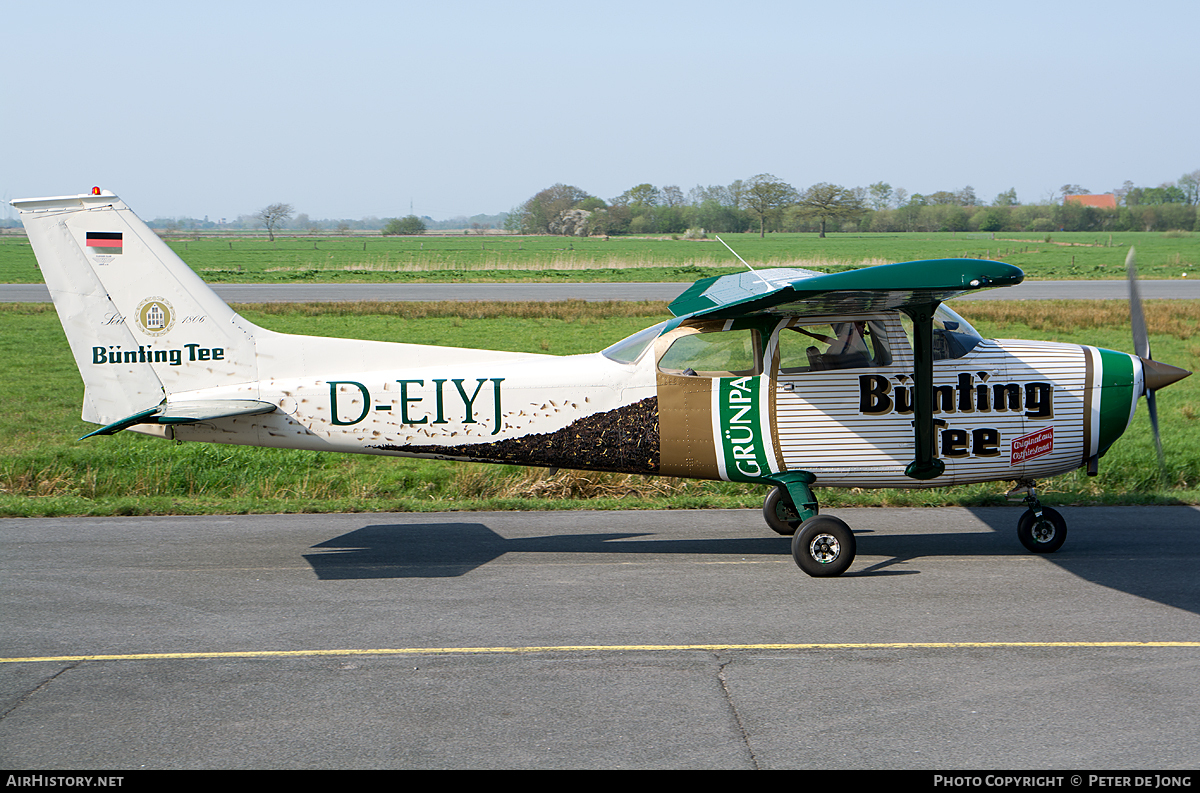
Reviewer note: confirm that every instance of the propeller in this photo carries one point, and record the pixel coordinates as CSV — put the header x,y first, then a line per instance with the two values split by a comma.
x,y
1154,374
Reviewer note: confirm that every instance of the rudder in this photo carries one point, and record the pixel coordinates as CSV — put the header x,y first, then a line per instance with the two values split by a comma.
x,y
142,326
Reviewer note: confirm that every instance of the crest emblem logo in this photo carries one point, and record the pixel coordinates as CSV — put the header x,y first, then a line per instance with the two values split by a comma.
x,y
155,316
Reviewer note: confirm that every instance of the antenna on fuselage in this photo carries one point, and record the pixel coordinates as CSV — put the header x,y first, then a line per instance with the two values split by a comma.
x,y
766,283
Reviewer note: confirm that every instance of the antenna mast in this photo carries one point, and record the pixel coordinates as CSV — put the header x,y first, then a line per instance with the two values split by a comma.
x,y
743,261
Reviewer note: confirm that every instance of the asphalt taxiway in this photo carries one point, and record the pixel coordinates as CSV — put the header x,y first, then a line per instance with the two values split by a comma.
x,y
681,639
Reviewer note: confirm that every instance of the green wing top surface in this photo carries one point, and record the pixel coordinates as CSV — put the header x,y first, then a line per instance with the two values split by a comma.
x,y
787,291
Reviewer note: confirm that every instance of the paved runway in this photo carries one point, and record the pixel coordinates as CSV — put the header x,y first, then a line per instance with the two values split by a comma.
x,y
265,293
681,639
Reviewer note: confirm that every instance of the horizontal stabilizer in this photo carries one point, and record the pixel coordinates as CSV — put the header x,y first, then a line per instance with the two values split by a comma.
x,y
188,413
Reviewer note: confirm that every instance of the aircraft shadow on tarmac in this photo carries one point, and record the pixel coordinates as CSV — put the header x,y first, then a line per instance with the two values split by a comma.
x,y
1148,552
440,550
1148,561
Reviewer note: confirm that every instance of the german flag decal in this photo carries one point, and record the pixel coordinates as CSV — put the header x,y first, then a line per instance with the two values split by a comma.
x,y
105,241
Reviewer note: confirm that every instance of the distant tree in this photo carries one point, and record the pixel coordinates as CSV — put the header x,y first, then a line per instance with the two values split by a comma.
x,y
410,224
1076,217
966,197
1123,191
737,193
716,193
1072,189
941,197
615,219
512,221
712,215
881,195
547,206
830,201
672,196
993,219
639,197
1155,196
1189,183
274,216
908,208
764,196
1006,199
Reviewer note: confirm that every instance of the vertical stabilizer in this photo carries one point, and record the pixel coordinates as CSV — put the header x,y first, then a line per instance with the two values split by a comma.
x,y
141,324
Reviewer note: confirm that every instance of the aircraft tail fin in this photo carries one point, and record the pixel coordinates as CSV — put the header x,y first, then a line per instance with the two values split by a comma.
x,y
141,324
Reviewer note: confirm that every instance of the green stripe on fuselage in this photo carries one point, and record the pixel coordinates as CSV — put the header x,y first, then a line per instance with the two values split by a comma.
x,y
740,425
1116,400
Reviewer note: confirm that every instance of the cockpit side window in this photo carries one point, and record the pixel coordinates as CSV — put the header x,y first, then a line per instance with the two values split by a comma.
x,y
833,345
728,353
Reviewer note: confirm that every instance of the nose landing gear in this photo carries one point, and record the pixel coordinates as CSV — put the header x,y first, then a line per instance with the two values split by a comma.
x,y
1040,529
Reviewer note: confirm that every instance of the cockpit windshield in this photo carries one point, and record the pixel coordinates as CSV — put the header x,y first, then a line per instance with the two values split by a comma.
x,y
953,336
631,349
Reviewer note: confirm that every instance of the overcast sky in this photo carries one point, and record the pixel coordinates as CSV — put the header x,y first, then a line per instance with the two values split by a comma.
x,y
349,109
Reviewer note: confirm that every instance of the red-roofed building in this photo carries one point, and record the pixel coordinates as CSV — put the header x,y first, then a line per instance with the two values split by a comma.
x,y
1102,201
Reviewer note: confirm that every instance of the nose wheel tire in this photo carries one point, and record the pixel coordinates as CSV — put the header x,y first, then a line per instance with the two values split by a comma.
x,y
1044,534
823,546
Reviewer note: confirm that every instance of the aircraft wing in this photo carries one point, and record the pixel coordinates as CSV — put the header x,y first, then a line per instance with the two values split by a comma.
x,y
787,291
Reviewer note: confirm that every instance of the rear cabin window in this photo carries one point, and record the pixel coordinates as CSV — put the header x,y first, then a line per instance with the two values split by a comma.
x,y
833,345
718,354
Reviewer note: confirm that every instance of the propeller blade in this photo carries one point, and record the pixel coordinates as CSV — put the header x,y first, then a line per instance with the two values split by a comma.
x,y
1152,405
1155,375
1141,348
1141,339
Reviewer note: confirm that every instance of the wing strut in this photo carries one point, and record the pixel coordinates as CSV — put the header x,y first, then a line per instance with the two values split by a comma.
x,y
926,465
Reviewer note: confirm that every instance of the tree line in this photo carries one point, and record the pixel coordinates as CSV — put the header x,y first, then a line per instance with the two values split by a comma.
x,y
765,203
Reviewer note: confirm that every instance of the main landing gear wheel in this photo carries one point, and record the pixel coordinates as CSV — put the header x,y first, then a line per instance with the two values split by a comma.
x,y
780,513
823,546
1042,534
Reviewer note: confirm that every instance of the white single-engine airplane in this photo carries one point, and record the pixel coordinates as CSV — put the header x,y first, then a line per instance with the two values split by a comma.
x,y
784,377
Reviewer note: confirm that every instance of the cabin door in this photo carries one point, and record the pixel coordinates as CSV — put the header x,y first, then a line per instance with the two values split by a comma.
x,y
841,399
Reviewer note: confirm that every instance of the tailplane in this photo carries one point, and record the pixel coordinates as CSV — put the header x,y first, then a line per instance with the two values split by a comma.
x,y
141,324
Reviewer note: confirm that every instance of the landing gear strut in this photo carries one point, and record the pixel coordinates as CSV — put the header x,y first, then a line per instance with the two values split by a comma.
x,y
822,545
1040,529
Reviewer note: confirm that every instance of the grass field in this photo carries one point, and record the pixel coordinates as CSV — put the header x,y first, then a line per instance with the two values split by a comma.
x,y
640,259
44,470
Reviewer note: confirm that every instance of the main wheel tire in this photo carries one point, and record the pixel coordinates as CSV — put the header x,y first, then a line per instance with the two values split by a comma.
x,y
824,546
1042,535
779,512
